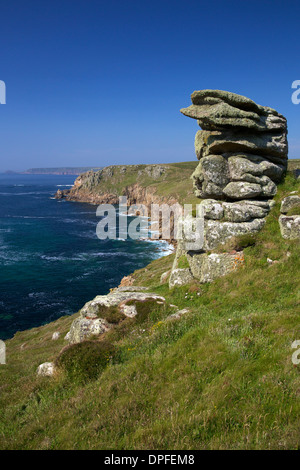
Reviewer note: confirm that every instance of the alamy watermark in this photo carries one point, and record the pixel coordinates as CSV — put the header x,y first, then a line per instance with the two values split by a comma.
x,y
295,358
167,222
296,93
2,352
2,92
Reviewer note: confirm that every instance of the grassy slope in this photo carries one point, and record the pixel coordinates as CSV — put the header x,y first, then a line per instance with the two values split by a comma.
x,y
294,164
221,377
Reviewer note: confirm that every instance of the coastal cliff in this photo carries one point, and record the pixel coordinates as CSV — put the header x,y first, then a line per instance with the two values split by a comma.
x,y
141,184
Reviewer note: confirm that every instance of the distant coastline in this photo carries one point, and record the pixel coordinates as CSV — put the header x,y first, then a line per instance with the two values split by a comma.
x,y
54,171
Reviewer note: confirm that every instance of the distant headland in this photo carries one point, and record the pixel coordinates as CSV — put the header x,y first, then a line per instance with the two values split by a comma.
x,y
55,171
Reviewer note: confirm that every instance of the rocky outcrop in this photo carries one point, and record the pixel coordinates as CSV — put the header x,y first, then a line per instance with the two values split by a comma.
x,y
242,148
101,314
242,152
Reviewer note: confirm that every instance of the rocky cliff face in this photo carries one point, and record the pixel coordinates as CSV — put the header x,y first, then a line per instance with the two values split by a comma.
x,y
141,184
137,182
242,152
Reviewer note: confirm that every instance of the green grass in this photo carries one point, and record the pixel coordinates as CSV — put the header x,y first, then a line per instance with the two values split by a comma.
x,y
221,377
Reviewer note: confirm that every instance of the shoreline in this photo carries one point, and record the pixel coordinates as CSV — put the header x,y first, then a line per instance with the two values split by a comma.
x,y
161,248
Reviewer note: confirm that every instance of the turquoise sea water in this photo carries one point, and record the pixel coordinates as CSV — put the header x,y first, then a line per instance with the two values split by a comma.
x,y
51,261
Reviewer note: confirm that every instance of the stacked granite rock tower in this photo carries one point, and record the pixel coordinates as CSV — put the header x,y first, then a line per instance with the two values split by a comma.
x,y
242,152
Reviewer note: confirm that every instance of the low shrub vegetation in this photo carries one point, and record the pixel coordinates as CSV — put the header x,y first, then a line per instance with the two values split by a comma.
x,y
85,361
111,314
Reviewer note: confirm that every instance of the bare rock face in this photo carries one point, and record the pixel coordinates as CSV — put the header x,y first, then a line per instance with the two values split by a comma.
x,y
242,151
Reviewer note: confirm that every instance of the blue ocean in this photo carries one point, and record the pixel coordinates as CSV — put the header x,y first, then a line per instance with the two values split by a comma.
x,y
51,261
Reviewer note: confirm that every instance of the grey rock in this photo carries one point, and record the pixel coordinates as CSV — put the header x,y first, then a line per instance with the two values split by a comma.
x,y
273,146
164,277
56,335
208,267
46,369
89,324
217,233
244,165
242,152
212,209
67,337
290,226
217,109
177,315
192,232
241,190
289,202
153,171
131,289
83,328
180,277
211,176
243,212
114,298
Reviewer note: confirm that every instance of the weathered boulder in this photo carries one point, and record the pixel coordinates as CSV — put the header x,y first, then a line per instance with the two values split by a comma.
x,y
208,267
245,167
83,328
244,211
290,226
230,160
164,277
273,147
56,335
180,277
211,176
244,190
217,109
177,315
217,233
46,369
289,203
212,209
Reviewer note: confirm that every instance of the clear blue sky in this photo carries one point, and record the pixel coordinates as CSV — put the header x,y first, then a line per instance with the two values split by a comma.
x,y
101,82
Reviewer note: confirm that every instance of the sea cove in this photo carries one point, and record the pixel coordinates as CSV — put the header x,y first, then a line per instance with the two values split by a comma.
x,y
51,259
